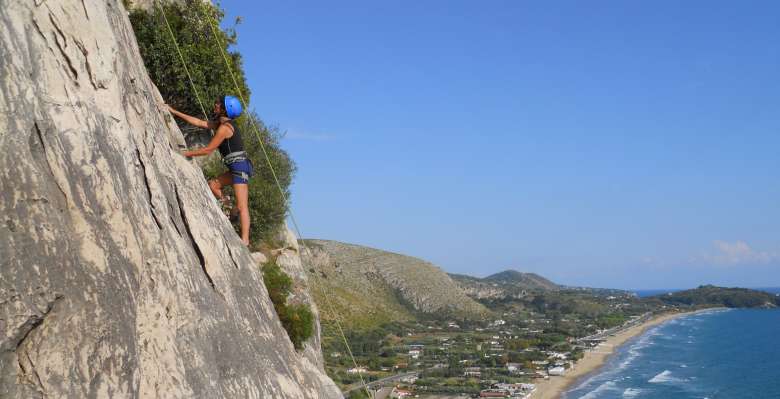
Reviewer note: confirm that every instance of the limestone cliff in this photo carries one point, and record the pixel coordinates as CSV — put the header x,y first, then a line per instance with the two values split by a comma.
x,y
288,257
119,275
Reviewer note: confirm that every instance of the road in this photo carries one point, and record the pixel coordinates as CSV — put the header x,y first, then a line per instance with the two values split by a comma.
x,y
615,330
380,381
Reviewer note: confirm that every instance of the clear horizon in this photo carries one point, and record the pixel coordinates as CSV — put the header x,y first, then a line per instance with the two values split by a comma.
x,y
616,144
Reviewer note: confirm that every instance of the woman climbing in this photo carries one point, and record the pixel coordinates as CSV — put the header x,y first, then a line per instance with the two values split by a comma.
x,y
227,139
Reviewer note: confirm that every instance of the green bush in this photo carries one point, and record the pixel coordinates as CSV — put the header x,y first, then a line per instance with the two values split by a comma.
x,y
298,319
190,25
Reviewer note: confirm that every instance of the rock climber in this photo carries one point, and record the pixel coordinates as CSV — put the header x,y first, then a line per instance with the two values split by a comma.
x,y
227,139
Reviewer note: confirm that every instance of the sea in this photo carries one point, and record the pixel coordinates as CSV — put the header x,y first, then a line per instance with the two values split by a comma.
x,y
731,353
653,292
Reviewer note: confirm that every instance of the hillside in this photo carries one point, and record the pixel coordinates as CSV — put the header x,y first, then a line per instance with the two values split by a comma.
x,y
119,275
368,286
531,281
506,284
710,295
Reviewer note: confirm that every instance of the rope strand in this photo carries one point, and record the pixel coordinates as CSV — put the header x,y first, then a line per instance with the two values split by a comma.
x,y
212,24
256,131
181,57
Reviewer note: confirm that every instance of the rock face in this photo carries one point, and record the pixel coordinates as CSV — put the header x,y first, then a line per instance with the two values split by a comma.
x,y
119,275
477,289
288,257
365,281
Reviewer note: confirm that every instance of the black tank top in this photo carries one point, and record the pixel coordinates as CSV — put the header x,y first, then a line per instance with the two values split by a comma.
x,y
232,144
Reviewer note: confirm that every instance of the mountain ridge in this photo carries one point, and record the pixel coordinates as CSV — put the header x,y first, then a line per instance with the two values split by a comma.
x,y
505,284
382,284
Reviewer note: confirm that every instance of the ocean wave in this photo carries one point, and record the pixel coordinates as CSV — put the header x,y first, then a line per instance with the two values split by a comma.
x,y
700,315
630,357
646,339
607,386
635,350
631,392
590,380
626,363
607,376
664,377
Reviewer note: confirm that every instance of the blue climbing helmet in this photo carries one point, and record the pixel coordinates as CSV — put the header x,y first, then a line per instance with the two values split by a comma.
x,y
232,106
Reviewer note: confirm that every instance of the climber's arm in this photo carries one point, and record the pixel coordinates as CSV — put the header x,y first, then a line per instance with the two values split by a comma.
x,y
193,120
219,136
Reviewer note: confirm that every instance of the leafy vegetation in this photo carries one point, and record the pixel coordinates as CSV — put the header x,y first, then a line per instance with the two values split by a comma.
x,y
364,298
709,295
298,319
533,326
527,335
190,23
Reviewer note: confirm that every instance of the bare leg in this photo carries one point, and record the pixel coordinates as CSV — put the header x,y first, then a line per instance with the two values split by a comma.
x,y
216,185
242,203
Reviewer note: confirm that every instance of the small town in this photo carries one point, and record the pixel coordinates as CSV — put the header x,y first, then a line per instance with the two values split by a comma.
x,y
501,358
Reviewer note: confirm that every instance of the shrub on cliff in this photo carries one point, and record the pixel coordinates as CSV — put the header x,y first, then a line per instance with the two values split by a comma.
x,y
189,22
298,320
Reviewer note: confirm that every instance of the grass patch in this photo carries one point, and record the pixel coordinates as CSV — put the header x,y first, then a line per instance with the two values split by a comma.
x,y
298,319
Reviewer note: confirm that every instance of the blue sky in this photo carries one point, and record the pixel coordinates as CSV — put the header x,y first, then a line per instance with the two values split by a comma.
x,y
629,144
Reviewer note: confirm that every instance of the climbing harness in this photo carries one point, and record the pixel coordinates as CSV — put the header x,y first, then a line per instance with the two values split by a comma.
x,y
256,130
233,157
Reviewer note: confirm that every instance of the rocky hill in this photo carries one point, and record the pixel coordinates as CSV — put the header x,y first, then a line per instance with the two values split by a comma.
x,y
530,281
506,284
710,295
119,275
367,286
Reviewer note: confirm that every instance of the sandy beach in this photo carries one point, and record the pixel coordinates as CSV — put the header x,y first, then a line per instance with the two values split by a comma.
x,y
555,386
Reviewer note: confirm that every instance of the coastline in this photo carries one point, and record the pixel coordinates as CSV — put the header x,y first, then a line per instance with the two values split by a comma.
x,y
554,387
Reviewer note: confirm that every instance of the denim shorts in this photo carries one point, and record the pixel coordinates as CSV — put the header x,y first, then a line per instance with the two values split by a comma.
x,y
241,171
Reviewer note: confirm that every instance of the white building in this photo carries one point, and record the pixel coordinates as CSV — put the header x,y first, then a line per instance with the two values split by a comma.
x,y
400,393
558,355
356,370
556,371
472,372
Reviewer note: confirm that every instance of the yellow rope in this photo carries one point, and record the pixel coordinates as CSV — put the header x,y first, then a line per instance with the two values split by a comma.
x,y
183,63
270,166
212,24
